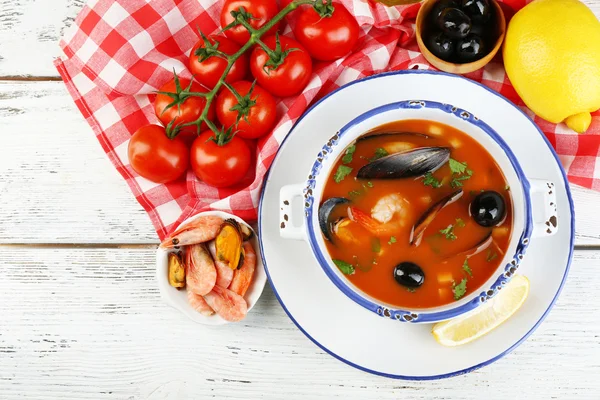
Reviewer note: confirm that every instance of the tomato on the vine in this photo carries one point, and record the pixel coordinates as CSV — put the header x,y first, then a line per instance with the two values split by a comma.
x,y
328,31
252,115
262,11
208,67
173,105
219,159
156,157
286,70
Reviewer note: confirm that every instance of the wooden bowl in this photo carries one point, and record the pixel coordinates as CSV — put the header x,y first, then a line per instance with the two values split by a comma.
x,y
454,68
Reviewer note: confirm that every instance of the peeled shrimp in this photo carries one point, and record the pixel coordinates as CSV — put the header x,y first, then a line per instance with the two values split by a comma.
x,y
200,274
227,304
199,304
389,215
200,230
224,273
243,276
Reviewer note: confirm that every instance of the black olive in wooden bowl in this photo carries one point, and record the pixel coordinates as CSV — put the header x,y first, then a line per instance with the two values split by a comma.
x,y
460,36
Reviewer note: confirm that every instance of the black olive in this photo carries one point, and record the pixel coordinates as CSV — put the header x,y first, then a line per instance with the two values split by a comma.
x,y
409,274
441,6
488,208
470,49
479,30
454,23
441,46
477,10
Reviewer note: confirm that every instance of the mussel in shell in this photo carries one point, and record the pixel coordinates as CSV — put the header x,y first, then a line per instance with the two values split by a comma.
x,y
229,243
427,218
176,270
325,210
408,164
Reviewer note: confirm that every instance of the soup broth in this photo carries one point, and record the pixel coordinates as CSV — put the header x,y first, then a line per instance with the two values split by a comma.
x,y
370,233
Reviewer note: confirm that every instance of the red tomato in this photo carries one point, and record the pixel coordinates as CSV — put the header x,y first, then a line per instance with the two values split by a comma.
x,y
189,109
220,165
262,12
287,77
327,38
259,117
156,157
209,71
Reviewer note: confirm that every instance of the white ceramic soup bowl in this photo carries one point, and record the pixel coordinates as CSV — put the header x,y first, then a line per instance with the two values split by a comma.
x,y
527,194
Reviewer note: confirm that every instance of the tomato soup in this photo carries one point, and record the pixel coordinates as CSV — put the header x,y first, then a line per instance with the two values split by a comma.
x,y
416,214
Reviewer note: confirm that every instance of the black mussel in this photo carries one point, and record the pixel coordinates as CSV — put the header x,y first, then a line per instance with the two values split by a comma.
x,y
408,164
478,10
477,248
488,209
325,210
454,23
470,49
441,6
427,218
409,274
441,46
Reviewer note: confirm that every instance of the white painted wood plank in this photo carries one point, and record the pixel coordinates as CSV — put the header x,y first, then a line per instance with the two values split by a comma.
x,y
87,324
30,31
57,185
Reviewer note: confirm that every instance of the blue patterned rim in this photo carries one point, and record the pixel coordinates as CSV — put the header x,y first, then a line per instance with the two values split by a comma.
x,y
412,316
476,366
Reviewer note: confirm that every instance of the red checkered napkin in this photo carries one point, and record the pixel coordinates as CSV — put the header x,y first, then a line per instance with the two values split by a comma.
x,y
120,51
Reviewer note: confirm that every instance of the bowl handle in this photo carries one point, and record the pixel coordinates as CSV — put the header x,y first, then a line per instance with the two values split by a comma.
x,y
287,230
546,201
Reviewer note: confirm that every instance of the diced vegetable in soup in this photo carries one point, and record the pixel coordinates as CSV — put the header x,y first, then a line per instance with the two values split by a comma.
x,y
414,219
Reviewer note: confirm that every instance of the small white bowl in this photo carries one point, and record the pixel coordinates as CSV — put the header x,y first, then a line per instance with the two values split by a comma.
x,y
178,298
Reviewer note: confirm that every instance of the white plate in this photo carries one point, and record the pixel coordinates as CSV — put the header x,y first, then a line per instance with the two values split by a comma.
x,y
361,338
178,298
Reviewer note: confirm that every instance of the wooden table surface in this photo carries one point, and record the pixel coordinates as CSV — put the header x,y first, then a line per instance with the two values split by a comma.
x,y
80,312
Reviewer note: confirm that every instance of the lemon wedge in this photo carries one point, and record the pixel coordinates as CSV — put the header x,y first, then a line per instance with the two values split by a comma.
x,y
483,319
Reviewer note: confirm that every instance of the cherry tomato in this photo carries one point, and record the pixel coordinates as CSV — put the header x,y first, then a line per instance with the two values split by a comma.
x,y
258,108
262,12
219,165
209,71
156,157
327,37
290,71
187,110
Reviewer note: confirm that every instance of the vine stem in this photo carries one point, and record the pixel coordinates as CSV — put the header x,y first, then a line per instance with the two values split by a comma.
x,y
255,35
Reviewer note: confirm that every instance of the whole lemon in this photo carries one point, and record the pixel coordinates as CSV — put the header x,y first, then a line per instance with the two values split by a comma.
x,y
552,57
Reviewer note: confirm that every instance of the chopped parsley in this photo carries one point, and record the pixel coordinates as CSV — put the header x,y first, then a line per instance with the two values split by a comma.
x,y
491,256
466,268
460,173
411,290
392,240
460,289
347,159
375,245
354,193
460,223
346,268
430,180
449,232
507,188
379,153
342,172
457,167
370,184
